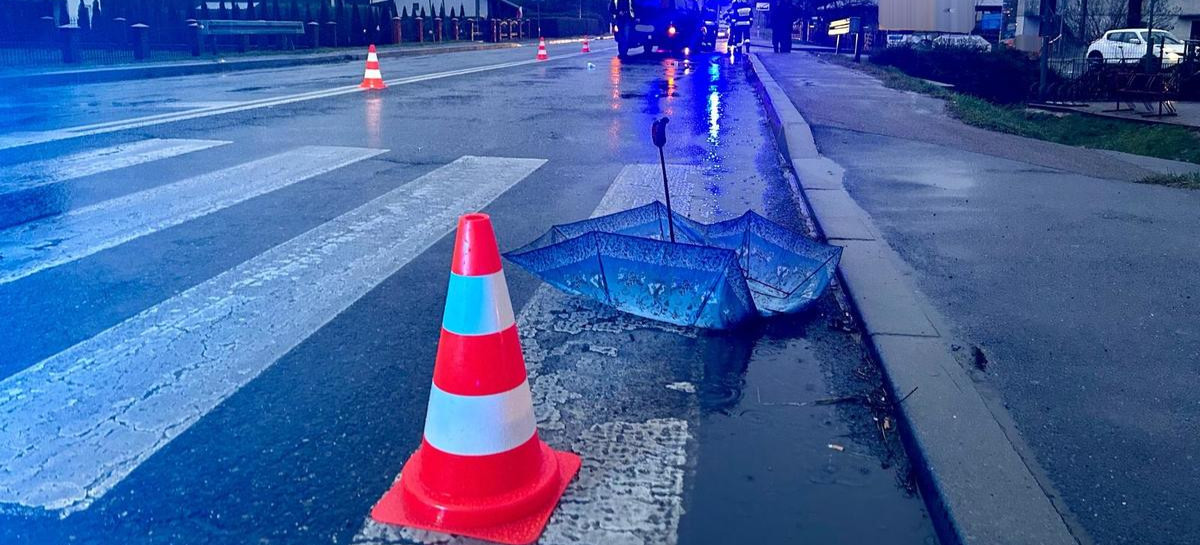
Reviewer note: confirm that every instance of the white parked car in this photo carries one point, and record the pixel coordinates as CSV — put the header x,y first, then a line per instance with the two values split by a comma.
x,y
1129,44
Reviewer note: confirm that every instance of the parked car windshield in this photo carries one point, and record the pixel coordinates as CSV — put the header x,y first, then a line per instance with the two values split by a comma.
x,y
1163,36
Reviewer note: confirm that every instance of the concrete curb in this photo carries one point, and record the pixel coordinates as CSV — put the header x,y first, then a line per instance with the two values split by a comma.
x,y
189,68
976,485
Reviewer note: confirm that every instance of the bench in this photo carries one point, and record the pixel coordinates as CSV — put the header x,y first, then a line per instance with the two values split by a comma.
x,y
212,28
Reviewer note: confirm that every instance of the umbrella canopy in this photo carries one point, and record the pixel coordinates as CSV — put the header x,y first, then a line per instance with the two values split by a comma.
x,y
785,269
714,276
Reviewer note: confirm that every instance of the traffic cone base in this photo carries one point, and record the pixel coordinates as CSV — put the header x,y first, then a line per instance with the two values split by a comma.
x,y
514,518
372,84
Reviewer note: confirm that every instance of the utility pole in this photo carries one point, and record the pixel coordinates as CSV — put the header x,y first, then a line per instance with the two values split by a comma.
x,y
1148,58
1083,17
1134,16
1049,13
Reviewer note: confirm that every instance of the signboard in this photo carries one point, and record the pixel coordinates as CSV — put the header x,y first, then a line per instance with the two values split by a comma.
x,y
762,6
843,26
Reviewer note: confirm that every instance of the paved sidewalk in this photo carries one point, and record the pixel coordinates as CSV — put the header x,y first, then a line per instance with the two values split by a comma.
x,y
1068,290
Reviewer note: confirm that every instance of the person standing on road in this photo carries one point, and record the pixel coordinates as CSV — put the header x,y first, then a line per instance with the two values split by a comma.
x,y
621,15
782,17
741,16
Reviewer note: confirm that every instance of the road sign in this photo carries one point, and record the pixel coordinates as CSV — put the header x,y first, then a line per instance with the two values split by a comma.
x,y
843,26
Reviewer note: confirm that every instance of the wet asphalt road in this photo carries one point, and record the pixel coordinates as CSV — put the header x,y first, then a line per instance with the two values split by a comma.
x,y
699,437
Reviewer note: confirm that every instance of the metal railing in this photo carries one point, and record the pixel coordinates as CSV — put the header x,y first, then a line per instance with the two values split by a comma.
x,y
1079,79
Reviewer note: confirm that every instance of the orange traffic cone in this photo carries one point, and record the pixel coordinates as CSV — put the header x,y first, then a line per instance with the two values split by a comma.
x,y
481,470
372,79
542,56
585,49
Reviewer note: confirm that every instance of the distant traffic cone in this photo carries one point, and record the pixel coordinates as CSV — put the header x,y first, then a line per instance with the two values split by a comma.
x,y
585,49
481,470
372,79
542,56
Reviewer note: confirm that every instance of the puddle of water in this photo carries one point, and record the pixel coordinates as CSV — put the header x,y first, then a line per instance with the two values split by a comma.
x,y
786,448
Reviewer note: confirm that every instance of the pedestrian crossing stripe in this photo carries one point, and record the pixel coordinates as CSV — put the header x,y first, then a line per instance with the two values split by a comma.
x,y
76,424
41,244
33,174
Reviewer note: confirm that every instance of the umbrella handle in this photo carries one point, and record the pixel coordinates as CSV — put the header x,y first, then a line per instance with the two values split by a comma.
x,y
658,131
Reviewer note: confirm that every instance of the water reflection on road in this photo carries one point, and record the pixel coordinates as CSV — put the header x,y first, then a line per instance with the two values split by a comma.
x,y
792,440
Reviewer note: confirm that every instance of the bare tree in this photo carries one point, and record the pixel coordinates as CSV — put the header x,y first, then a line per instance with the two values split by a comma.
x,y
1087,20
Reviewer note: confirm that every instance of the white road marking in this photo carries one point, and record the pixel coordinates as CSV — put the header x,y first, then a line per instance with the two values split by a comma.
x,y
30,247
75,424
630,489
33,174
15,140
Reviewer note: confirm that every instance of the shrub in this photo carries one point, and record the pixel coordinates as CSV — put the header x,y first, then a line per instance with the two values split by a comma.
x,y
1005,76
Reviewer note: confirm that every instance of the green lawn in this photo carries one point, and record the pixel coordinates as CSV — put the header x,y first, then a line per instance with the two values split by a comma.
x,y
1163,141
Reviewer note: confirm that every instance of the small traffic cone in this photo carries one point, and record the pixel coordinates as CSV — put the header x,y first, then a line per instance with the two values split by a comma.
x,y
372,79
585,49
542,56
481,470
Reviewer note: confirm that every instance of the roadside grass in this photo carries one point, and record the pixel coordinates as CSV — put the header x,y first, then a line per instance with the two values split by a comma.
x,y
891,76
1162,141
1182,181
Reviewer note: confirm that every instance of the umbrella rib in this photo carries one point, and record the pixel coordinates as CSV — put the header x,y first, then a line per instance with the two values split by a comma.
x,y
814,272
603,277
746,247
708,294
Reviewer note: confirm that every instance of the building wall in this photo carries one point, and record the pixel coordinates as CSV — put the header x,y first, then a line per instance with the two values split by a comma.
x,y
927,15
1187,27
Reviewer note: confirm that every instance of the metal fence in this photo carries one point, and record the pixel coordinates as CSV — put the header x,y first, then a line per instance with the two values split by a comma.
x,y
1082,80
1074,77
113,45
19,56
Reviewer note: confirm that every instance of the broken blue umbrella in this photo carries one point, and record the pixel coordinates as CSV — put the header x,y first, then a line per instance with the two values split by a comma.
x,y
713,276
